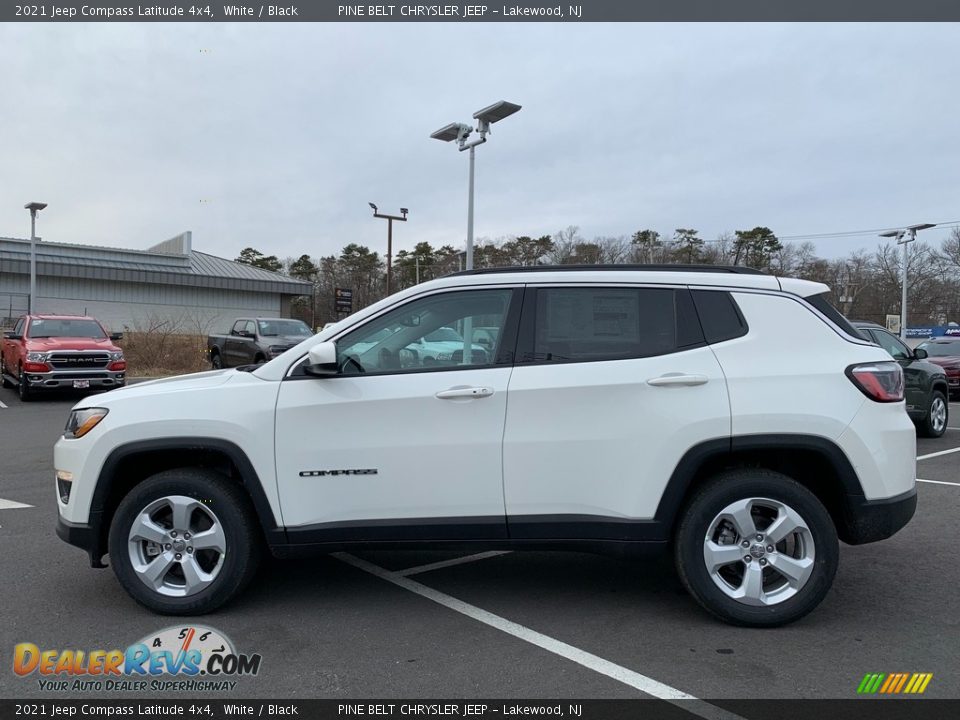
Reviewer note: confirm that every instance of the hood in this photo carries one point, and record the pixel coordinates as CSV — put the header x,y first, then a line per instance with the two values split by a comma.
x,y
66,343
944,360
178,383
284,340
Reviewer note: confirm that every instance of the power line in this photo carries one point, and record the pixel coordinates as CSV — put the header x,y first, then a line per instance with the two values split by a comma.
x,y
854,233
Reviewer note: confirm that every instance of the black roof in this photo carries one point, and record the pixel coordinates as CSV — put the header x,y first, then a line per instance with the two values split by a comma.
x,y
737,269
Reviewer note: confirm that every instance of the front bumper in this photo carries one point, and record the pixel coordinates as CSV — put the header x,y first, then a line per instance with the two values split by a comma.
x,y
87,537
99,380
867,521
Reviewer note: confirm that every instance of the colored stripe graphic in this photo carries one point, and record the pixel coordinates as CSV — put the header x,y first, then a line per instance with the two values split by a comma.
x,y
903,680
894,683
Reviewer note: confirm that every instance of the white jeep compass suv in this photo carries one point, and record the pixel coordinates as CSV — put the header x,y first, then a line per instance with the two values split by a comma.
x,y
732,417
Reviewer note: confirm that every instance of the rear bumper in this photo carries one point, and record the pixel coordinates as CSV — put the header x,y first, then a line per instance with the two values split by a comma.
x,y
867,521
84,536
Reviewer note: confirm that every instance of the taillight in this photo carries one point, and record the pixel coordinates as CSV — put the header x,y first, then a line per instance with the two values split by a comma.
x,y
879,381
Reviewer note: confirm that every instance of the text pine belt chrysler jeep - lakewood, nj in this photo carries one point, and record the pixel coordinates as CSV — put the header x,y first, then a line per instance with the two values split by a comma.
x,y
732,417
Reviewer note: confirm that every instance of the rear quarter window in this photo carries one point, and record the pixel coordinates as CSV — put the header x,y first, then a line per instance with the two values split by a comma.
x,y
821,303
720,317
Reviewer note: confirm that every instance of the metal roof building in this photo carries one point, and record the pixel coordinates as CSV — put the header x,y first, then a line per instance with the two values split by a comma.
x,y
169,283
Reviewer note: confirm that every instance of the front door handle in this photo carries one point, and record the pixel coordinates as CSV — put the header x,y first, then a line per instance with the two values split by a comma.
x,y
467,392
678,379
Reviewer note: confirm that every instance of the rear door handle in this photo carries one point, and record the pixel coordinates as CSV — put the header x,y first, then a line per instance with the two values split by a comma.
x,y
468,392
678,379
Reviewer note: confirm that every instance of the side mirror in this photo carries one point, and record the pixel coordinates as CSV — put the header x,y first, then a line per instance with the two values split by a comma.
x,y
11,335
116,336
322,359
920,354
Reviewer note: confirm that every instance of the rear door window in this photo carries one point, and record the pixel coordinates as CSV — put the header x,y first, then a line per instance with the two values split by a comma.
x,y
590,324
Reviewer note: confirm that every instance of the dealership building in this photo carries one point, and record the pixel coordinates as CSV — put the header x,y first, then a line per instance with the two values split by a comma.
x,y
170,284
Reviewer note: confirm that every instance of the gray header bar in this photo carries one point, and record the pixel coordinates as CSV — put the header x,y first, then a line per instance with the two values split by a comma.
x,y
486,11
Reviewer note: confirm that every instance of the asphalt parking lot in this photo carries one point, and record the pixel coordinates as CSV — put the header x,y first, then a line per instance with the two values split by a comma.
x,y
530,625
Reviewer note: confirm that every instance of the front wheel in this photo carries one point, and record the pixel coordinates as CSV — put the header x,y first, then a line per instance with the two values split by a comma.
x,y
4,382
23,390
755,548
934,425
184,541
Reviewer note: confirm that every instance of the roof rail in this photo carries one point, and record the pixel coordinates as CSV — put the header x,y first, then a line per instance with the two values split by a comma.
x,y
662,267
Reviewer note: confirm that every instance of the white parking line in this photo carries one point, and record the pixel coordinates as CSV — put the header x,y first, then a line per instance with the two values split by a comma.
x,y
449,563
629,677
2,405
937,454
939,482
12,505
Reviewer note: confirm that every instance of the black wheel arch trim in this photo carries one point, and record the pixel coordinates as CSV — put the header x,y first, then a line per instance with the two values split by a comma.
x,y
685,474
99,521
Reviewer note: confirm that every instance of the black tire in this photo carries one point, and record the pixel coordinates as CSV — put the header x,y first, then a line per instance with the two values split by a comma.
x,y
216,361
232,508
4,382
23,390
259,360
929,427
697,519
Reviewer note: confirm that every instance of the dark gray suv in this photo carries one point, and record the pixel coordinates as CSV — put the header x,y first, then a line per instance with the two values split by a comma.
x,y
925,383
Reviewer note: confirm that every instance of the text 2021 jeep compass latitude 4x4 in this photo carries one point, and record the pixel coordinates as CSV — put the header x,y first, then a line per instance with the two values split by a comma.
x,y
732,416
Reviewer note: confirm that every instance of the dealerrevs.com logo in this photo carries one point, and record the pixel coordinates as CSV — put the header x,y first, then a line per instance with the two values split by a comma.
x,y
192,658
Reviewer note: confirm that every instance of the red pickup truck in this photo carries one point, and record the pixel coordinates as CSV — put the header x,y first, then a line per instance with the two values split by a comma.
x,y
47,352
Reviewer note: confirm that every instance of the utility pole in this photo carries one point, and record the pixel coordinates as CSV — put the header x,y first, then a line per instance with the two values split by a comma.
x,y
461,132
904,237
390,218
34,208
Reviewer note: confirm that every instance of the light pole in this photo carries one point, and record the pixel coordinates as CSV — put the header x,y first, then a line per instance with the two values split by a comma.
x,y
389,219
460,132
34,208
904,237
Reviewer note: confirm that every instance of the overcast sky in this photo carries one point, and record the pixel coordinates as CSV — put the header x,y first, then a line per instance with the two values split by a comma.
x,y
276,136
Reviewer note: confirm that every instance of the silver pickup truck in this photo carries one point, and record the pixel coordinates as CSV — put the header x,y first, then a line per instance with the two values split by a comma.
x,y
255,340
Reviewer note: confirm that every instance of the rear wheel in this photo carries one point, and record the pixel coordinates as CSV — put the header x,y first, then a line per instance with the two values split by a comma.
x,y
216,361
184,541
756,548
934,424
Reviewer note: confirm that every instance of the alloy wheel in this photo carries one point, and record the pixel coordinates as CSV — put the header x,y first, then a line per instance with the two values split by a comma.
x,y
176,546
759,551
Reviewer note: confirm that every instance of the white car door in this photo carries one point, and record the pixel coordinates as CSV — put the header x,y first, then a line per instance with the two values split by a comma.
x,y
392,448
612,386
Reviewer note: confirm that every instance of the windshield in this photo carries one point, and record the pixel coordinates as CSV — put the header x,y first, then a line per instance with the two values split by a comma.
x,y
941,349
284,327
40,328
444,334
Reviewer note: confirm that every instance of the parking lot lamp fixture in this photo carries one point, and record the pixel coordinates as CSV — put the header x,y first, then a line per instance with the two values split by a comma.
x,y
904,237
34,208
461,133
402,217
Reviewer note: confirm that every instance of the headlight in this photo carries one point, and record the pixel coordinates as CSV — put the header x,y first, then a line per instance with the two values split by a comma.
x,y
116,356
36,357
444,356
277,349
83,421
